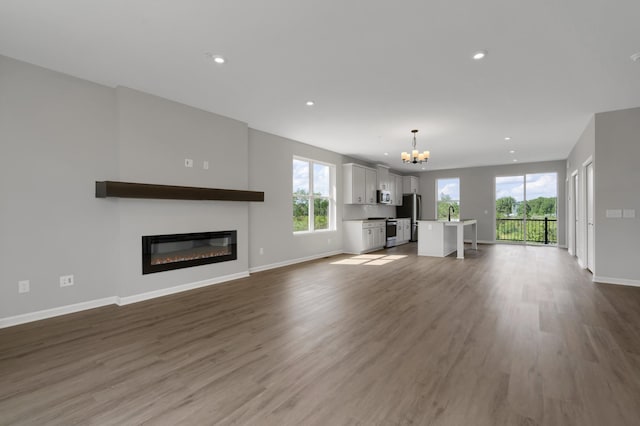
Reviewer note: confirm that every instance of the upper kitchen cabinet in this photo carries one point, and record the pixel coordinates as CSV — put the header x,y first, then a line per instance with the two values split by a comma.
x,y
359,184
395,188
410,185
383,178
370,181
397,200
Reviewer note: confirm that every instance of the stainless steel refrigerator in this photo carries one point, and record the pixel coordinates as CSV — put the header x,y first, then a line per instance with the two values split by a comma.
x,y
412,208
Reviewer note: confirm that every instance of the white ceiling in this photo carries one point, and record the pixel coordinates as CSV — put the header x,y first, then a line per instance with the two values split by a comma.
x,y
375,68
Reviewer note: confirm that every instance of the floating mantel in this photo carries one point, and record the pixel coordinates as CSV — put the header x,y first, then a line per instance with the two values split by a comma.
x,y
169,192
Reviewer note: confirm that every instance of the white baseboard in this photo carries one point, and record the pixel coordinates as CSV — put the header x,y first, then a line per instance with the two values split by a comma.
x,y
293,261
127,300
618,281
120,301
54,312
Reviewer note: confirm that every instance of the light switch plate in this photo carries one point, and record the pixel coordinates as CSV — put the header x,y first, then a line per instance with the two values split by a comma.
x,y
613,213
23,286
188,162
66,280
205,165
629,213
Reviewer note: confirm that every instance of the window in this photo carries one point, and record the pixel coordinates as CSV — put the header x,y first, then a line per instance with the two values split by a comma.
x,y
448,195
313,195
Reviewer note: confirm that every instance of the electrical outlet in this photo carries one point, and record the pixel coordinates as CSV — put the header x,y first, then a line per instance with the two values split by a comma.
x,y
205,165
261,250
66,280
188,162
23,286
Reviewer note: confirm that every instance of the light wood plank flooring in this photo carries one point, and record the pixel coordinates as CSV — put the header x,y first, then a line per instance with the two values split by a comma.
x,y
510,335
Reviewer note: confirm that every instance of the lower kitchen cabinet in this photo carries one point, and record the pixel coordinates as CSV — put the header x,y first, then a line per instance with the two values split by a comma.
x,y
403,231
362,236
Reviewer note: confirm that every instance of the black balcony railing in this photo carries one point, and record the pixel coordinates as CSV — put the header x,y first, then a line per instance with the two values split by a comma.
x,y
543,231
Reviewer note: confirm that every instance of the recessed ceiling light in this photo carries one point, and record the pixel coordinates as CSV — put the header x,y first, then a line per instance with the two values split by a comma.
x,y
424,168
386,153
479,55
216,58
515,160
635,57
512,152
507,138
310,103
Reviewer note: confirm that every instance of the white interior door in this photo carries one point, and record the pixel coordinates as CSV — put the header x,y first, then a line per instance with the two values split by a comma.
x,y
575,191
590,219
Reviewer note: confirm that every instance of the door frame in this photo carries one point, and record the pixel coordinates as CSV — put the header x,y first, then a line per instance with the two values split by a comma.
x,y
574,200
590,244
581,235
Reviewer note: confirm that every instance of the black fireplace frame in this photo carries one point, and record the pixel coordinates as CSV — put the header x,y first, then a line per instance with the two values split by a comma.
x,y
149,240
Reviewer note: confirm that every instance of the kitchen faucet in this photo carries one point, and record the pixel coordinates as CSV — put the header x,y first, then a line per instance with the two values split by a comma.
x,y
450,209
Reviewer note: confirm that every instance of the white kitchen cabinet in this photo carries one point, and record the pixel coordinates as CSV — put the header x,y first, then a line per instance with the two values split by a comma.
x,y
370,177
359,184
383,177
362,236
403,231
395,187
392,188
410,185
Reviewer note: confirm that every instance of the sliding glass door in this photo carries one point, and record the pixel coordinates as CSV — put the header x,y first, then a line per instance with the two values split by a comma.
x,y
526,208
510,219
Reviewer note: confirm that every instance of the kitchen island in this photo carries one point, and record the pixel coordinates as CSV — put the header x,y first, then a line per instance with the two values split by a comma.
x,y
440,238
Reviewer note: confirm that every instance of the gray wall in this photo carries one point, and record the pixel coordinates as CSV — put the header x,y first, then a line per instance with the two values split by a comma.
x,y
57,137
477,189
617,183
270,222
581,152
154,138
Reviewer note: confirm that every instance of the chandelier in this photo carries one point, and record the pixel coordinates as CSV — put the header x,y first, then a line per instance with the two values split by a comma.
x,y
415,157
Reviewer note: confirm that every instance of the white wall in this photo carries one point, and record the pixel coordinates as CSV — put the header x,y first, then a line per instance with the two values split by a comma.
x,y
57,136
477,192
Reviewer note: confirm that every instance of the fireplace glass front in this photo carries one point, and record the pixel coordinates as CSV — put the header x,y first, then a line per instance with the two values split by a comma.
x,y
175,251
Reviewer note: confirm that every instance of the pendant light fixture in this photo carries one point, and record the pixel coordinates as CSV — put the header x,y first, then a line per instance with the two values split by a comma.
x,y
415,157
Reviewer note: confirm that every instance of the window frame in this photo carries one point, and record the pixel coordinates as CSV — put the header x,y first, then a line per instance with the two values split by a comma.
x,y
312,197
459,200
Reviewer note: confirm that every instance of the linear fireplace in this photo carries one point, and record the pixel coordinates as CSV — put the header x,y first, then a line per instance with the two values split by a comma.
x,y
175,251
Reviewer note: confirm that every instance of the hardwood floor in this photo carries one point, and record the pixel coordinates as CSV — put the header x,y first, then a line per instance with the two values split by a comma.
x,y
510,335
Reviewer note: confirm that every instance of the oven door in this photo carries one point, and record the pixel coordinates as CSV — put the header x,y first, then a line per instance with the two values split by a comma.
x,y
392,228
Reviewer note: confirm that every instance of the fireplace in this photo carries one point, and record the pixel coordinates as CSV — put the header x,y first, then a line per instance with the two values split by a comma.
x,y
175,251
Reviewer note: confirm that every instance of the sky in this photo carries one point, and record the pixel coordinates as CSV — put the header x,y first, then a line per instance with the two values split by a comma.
x,y
321,177
538,185
450,187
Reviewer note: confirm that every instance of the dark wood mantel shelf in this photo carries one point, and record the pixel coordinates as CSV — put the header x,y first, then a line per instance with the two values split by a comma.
x,y
169,192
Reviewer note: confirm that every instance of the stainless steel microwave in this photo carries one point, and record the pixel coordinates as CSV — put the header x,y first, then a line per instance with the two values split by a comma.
x,y
384,197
